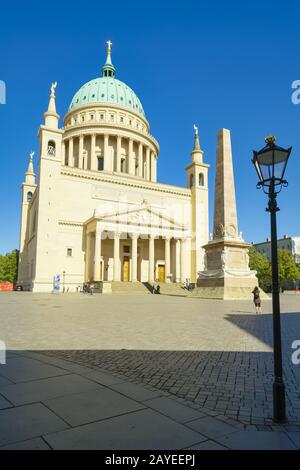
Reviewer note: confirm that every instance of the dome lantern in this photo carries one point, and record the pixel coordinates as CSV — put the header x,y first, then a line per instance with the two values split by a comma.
x,y
108,70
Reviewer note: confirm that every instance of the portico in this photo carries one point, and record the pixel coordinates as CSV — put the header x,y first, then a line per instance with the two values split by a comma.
x,y
139,253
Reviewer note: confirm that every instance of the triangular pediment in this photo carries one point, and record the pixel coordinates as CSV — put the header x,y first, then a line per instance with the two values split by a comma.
x,y
144,216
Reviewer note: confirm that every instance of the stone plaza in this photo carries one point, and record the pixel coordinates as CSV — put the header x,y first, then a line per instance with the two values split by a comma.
x,y
206,360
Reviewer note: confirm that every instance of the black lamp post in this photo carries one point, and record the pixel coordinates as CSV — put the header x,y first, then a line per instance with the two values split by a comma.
x,y
270,163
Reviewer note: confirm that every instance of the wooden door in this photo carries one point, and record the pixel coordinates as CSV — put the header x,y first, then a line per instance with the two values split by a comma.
x,y
161,273
126,269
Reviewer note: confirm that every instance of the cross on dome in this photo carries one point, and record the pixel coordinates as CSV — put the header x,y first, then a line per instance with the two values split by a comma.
x,y
109,44
108,69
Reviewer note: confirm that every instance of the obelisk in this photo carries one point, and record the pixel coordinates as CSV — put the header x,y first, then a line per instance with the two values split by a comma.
x,y
226,274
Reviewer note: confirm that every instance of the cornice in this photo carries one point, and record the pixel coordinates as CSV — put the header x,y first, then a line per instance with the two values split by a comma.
x,y
129,182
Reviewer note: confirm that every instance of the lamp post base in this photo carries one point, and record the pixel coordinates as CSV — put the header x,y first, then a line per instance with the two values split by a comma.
x,y
279,400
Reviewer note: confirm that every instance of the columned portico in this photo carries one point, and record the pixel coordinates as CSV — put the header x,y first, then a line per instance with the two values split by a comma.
x,y
154,250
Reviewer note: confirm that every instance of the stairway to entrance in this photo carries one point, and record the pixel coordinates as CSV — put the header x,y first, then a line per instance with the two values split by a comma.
x,y
128,288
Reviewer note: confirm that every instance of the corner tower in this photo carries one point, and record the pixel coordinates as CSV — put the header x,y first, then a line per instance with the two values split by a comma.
x,y
197,181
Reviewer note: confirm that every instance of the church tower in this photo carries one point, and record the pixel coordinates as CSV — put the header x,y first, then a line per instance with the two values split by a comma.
x,y
50,137
197,180
28,190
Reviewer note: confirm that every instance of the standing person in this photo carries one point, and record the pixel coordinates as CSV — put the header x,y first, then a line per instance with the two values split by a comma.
x,y
256,299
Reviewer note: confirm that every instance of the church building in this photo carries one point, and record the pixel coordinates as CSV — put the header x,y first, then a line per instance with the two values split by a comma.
x,y
95,213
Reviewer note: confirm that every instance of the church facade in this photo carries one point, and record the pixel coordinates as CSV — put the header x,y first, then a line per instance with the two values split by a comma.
x,y
95,213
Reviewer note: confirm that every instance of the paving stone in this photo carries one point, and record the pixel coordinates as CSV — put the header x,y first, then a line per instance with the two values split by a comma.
x,y
295,437
40,390
143,429
211,427
207,445
31,444
26,422
136,392
257,440
4,381
23,369
4,403
92,406
104,378
173,409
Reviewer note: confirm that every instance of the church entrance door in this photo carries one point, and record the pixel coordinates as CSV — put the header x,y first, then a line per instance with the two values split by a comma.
x,y
161,273
126,269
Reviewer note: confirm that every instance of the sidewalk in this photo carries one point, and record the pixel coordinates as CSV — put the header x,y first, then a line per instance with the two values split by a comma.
x,y
49,403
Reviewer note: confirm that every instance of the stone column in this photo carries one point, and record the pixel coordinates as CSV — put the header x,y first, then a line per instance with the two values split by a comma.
x,y
147,175
177,260
87,256
131,162
97,258
107,163
80,153
94,163
167,259
140,160
188,252
134,240
151,258
71,152
152,167
63,153
117,274
183,257
119,146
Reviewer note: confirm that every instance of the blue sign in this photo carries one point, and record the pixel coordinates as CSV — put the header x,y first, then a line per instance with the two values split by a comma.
x,y
56,283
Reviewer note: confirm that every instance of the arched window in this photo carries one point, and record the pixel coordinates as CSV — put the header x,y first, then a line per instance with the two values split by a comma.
x,y
191,180
51,148
29,196
201,179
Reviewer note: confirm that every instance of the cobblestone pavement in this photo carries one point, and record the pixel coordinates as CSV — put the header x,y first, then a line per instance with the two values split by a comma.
x,y
214,355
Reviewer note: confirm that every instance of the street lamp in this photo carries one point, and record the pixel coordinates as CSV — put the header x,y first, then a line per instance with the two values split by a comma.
x,y
270,163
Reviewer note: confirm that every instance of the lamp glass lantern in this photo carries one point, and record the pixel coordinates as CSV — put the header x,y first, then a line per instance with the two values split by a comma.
x,y
270,163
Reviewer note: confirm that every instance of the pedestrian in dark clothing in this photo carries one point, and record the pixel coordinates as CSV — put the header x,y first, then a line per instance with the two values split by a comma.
x,y
256,299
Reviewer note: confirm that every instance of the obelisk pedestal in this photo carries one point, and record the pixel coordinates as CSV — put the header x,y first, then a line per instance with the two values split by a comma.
x,y
227,274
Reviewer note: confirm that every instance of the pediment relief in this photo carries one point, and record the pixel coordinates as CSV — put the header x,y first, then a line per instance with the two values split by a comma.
x,y
142,217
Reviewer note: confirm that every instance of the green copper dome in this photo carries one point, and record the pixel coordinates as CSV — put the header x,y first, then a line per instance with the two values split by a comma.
x,y
107,89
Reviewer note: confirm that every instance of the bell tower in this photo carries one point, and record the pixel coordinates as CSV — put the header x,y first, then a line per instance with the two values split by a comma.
x,y
50,137
197,181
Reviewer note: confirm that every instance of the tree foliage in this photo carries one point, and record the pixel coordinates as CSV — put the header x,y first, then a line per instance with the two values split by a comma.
x,y
287,268
260,263
9,266
288,271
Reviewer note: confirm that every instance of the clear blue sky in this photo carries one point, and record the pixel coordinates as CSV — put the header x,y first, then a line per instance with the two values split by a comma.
x,y
216,64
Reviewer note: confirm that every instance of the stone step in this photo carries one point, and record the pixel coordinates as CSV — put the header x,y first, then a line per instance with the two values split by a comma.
x,y
170,288
128,288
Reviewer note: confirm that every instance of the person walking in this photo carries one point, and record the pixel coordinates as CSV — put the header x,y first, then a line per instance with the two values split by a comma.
x,y
256,299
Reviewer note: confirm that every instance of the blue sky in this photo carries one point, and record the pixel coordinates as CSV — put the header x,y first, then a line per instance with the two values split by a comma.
x,y
217,64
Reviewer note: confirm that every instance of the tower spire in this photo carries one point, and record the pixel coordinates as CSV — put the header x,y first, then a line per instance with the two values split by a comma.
x,y
108,70
51,116
30,175
197,153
